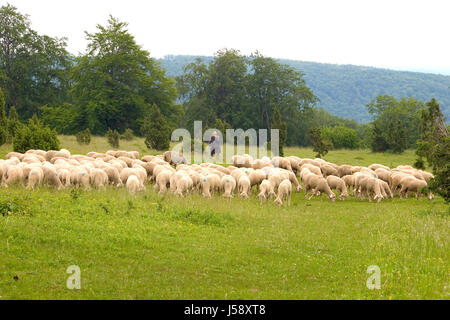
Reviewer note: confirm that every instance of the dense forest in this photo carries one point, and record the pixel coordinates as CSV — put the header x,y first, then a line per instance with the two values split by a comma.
x,y
345,90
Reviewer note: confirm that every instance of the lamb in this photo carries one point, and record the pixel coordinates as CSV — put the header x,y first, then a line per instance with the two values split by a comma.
x,y
338,184
228,185
284,191
266,190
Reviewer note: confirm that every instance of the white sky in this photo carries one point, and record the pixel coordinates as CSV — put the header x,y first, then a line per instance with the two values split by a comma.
x,y
396,34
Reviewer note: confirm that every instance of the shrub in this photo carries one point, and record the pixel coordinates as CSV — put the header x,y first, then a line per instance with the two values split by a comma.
x,y
84,137
156,130
113,138
3,121
319,144
341,137
13,124
35,136
127,135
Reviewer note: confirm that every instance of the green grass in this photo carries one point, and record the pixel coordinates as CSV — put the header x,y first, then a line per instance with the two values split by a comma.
x,y
152,247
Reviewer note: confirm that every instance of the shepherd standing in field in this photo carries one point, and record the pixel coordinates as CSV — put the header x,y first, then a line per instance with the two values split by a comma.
x,y
214,144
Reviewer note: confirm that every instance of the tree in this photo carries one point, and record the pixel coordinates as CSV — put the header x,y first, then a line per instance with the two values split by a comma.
x,y
244,92
13,123
156,130
34,68
113,138
3,120
319,144
116,82
434,146
397,137
396,123
84,137
34,135
281,126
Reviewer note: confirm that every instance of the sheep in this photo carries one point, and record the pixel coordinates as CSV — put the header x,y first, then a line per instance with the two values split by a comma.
x,y
99,178
284,191
338,184
256,177
412,184
244,186
79,177
240,161
371,186
318,185
280,162
345,170
383,174
64,176
184,184
210,183
328,170
266,190
163,181
51,177
35,177
314,169
385,190
349,181
376,166
174,180
17,155
133,185
228,184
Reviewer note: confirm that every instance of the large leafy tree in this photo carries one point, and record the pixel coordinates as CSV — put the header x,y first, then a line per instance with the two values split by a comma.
x,y
33,67
244,92
116,82
396,123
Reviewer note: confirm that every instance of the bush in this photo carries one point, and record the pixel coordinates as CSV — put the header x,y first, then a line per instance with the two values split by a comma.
x,y
3,121
113,138
319,144
13,124
35,136
341,137
127,135
156,130
84,137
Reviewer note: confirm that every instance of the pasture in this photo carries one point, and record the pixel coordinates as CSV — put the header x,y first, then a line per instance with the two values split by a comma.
x,y
154,247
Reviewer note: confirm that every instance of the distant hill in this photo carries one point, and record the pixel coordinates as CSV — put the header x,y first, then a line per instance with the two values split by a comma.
x,y
344,90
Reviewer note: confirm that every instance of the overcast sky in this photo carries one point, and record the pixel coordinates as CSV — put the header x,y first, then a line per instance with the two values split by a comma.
x,y
395,34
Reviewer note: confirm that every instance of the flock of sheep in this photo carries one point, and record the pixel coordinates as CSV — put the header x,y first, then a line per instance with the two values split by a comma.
x,y
170,173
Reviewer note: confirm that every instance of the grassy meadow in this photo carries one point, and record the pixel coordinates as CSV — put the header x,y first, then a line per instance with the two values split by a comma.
x,y
153,247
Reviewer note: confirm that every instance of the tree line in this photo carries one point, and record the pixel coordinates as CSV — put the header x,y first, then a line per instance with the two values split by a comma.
x,y
115,85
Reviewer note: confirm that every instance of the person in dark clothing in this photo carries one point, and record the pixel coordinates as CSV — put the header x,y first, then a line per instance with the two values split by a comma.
x,y
214,144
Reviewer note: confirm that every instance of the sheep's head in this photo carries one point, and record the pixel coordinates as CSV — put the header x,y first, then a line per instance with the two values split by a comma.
x,y
332,197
